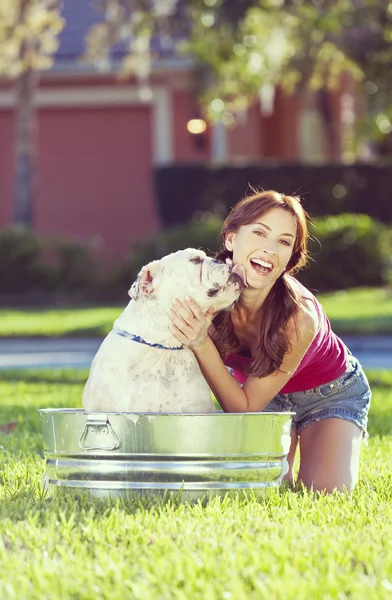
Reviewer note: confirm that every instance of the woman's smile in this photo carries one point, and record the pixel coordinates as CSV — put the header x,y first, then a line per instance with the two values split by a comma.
x,y
261,266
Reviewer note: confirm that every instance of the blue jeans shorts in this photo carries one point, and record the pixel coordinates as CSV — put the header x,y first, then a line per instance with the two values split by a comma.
x,y
347,397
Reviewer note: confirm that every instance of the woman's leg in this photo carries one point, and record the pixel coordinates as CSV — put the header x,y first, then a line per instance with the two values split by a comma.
x,y
329,455
290,457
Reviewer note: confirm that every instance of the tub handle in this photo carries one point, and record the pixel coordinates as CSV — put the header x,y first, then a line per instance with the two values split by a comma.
x,y
98,424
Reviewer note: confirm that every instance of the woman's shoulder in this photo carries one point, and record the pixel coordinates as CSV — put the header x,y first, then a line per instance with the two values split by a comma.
x,y
305,322
299,288
307,312
307,315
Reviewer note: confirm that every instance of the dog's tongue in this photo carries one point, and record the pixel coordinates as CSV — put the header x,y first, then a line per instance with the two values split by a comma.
x,y
240,270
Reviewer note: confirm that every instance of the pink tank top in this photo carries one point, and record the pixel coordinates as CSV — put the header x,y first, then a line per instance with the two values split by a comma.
x,y
324,360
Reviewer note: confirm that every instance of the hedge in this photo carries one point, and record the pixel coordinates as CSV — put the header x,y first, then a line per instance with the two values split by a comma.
x,y
183,190
347,250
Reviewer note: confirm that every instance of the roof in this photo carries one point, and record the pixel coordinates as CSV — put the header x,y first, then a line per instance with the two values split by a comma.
x,y
80,15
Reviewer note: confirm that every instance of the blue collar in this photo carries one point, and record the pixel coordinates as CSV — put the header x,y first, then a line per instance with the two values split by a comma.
x,y
137,338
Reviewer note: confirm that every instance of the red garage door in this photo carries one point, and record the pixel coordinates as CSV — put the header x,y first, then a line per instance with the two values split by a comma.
x,y
95,175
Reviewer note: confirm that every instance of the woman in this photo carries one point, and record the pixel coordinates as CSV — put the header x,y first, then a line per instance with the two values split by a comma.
x,y
277,343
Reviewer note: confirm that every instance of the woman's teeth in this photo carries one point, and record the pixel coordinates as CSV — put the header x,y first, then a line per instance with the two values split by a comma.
x,y
261,266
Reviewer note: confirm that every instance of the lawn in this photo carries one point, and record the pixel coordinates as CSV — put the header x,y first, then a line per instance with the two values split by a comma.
x,y
294,545
360,310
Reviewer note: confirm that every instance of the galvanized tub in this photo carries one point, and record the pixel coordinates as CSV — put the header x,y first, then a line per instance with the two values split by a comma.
x,y
192,455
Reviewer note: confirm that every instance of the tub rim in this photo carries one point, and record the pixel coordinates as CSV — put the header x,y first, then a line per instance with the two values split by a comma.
x,y
162,414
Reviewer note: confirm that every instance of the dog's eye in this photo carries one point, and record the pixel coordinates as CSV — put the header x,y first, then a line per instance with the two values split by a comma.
x,y
197,260
212,292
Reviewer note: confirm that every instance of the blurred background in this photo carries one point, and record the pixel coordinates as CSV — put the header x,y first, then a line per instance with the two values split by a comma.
x,y
128,128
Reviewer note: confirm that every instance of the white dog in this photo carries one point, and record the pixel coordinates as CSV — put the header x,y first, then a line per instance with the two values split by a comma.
x,y
140,366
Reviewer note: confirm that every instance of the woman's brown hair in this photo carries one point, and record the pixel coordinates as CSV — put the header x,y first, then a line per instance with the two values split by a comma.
x,y
283,301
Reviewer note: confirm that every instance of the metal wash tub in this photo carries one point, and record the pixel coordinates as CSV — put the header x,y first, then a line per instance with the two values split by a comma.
x,y
195,455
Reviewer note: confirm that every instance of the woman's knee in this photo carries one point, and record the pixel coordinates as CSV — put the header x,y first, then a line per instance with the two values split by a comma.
x,y
330,452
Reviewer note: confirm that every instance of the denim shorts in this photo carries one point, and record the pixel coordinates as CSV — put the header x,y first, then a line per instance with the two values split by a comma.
x,y
347,397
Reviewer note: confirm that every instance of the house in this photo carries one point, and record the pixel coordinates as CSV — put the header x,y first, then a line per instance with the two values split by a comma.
x,y
100,139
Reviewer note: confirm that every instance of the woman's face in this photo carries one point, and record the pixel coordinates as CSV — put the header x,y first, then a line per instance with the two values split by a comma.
x,y
264,247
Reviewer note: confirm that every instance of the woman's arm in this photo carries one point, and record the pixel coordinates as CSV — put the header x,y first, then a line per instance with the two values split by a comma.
x,y
190,326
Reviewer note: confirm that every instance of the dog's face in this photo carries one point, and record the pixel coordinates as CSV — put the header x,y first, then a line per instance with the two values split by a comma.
x,y
187,272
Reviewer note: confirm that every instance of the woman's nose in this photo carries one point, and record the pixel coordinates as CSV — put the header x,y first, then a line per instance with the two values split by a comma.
x,y
269,250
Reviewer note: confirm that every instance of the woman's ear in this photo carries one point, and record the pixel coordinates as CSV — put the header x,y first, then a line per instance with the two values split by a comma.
x,y
229,242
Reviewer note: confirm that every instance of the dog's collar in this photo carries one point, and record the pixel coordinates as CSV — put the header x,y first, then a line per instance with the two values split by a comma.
x,y
137,338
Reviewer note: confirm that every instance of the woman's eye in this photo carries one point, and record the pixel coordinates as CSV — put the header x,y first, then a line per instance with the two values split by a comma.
x,y
285,242
258,232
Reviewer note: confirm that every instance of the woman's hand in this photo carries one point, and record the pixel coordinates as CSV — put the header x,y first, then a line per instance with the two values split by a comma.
x,y
188,322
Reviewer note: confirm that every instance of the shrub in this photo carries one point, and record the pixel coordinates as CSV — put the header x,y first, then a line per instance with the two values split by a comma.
x,y
33,267
75,265
201,232
19,260
347,251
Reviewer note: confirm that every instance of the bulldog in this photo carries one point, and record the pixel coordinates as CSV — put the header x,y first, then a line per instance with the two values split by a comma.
x,y
140,366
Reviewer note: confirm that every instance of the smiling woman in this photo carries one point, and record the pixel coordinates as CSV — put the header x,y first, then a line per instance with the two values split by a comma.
x,y
274,350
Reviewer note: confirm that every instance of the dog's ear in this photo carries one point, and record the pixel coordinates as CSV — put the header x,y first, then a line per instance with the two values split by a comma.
x,y
133,292
144,283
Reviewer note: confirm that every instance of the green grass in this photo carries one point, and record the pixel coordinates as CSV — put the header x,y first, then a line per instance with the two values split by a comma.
x,y
76,322
294,545
360,310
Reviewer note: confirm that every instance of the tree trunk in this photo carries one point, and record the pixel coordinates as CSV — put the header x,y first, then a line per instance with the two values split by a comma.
x,y
25,139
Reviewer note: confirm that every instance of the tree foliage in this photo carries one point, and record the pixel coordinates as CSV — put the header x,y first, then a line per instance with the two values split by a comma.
x,y
246,48
126,31
293,43
28,35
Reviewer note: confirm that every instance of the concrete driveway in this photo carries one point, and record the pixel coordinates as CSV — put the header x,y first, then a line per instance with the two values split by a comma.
x,y
43,353
374,352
